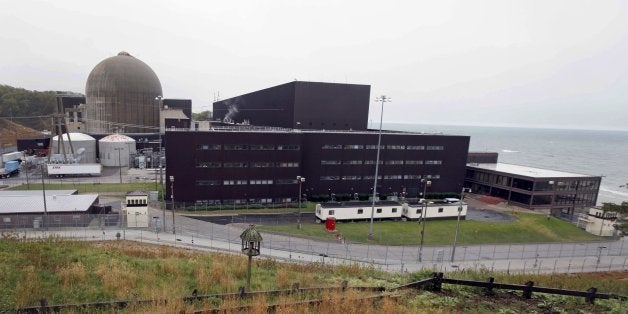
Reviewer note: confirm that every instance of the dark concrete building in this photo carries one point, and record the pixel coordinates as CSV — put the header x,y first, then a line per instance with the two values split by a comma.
x,y
300,105
260,164
534,188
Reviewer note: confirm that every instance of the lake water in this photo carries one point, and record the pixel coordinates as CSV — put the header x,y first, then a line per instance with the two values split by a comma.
x,y
591,152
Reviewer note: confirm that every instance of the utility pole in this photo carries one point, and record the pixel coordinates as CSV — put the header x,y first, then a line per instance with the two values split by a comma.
x,y
43,189
381,99
426,183
453,249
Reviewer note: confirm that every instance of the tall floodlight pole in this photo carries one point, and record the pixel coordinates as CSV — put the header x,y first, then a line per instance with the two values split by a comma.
x,y
453,249
119,161
381,99
172,199
426,183
159,100
300,180
43,189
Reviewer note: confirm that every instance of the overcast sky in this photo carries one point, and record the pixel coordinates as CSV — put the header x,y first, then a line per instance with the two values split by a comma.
x,y
505,63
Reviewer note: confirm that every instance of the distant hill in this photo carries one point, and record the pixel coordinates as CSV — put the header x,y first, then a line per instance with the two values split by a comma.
x,y
11,131
25,105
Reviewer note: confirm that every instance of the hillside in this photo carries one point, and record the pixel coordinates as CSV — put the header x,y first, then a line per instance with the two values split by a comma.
x,y
65,272
22,103
11,131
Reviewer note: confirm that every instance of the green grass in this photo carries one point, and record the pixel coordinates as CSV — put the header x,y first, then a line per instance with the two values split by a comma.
x,y
65,272
525,228
92,187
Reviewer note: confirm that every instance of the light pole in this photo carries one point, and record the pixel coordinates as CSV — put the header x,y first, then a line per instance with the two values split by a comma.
x,y
300,180
119,149
25,167
426,183
381,99
172,200
43,190
453,249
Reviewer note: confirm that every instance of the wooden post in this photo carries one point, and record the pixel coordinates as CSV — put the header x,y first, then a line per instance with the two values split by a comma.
x,y
489,288
248,277
527,291
590,298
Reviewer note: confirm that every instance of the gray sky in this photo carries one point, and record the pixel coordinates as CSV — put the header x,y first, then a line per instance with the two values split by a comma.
x,y
506,63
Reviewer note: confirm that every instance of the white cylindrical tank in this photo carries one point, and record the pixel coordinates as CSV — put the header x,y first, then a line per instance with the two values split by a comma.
x,y
115,150
79,140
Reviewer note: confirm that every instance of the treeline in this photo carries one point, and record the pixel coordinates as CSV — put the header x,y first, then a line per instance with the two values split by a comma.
x,y
25,105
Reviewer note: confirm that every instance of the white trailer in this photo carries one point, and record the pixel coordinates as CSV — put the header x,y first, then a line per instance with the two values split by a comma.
x,y
358,211
435,210
12,156
61,170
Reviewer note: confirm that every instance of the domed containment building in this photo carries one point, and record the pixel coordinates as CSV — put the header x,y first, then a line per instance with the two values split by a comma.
x,y
120,95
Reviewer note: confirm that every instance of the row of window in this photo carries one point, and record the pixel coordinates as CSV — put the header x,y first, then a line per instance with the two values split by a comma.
x,y
392,147
245,182
360,211
243,201
207,164
379,177
246,147
381,162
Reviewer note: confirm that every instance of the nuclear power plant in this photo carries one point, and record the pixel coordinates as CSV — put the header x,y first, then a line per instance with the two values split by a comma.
x,y
120,94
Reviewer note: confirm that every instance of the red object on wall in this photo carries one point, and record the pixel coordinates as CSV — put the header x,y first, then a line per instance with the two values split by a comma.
x,y
330,224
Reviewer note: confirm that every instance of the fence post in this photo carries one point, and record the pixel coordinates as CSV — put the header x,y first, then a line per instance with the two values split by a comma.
x,y
590,298
489,288
527,290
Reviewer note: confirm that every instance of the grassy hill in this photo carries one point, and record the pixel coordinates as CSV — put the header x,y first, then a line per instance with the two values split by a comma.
x,y
76,272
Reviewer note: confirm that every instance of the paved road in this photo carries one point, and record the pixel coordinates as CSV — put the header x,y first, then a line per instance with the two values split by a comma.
x,y
548,257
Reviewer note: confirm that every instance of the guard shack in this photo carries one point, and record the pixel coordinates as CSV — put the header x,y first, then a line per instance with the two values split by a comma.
x,y
137,209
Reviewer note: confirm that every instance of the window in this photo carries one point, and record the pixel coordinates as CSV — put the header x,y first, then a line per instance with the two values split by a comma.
x,y
360,211
352,162
414,162
330,162
330,178
350,178
262,164
379,177
395,147
288,147
411,176
372,162
241,182
432,176
207,182
262,147
236,147
394,162
287,165
235,165
286,181
332,146
235,182
354,146
433,162
208,147
331,212
394,210
228,182
415,147
440,210
260,182
393,177
205,164
379,210
418,211
374,146
436,147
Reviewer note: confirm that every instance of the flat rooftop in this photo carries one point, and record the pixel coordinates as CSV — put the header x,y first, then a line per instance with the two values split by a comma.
x,y
36,192
527,171
54,203
270,129
358,204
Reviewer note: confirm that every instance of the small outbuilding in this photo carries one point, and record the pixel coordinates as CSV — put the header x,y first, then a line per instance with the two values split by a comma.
x,y
137,209
78,140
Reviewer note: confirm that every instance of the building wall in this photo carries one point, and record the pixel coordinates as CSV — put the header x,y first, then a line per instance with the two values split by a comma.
x,y
137,211
184,104
201,164
302,105
562,194
482,157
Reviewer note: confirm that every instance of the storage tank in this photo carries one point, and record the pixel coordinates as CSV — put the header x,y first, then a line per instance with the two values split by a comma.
x,y
79,140
115,150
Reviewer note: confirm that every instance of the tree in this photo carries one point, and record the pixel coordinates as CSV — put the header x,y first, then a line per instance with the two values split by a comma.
x,y
622,220
202,116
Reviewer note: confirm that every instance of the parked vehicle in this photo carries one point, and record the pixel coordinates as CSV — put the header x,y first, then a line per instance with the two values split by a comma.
x,y
10,168
62,170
